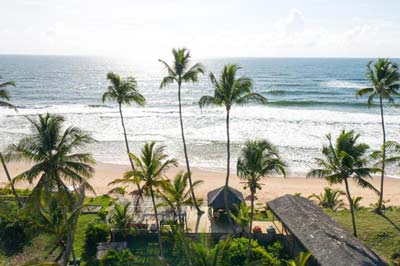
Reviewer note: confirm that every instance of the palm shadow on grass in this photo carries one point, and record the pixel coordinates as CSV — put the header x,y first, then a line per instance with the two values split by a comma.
x,y
390,221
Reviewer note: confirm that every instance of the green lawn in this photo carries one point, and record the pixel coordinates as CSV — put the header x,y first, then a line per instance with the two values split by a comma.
x,y
377,232
85,220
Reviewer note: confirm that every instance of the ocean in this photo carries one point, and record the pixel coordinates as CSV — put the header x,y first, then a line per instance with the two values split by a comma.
x,y
308,98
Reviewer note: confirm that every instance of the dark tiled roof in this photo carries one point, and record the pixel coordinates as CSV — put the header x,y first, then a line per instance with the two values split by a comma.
x,y
329,243
215,198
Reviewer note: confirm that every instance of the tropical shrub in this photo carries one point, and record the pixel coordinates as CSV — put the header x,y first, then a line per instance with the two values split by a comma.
x,y
300,260
95,233
235,253
356,202
12,236
330,199
117,258
276,249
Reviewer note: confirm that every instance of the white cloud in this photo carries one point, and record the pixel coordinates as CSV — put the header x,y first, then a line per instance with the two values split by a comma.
x,y
295,22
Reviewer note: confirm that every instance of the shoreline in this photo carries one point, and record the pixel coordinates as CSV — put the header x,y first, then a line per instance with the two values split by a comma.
x,y
213,178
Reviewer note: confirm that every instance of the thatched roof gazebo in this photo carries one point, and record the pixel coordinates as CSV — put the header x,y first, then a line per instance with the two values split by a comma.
x,y
215,198
306,227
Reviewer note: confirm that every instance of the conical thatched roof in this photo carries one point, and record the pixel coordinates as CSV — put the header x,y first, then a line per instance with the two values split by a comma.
x,y
215,198
329,243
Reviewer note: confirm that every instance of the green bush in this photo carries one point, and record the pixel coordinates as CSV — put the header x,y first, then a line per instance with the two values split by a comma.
x,y
95,233
103,214
13,236
276,250
20,192
235,253
115,258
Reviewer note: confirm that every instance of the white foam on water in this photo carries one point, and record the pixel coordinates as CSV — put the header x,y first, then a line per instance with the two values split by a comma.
x,y
298,133
342,84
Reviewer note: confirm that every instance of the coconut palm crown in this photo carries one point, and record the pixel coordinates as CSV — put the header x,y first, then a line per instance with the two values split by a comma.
x,y
176,193
55,154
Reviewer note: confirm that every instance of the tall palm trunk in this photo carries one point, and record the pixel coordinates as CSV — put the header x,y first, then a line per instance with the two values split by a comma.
x,y
199,211
228,163
379,208
17,198
157,224
353,219
251,224
69,245
126,140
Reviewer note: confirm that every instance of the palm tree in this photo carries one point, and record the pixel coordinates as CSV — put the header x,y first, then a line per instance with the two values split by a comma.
x,y
230,90
394,149
56,162
51,221
149,169
180,72
385,80
4,94
345,160
356,202
14,191
200,253
241,216
123,91
176,193
258,159
121,218
330,199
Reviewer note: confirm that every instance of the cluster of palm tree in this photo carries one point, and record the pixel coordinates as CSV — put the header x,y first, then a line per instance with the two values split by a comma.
x,y
58,161
229,90
57,166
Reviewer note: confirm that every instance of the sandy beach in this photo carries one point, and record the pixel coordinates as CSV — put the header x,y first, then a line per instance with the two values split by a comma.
x,y
273,186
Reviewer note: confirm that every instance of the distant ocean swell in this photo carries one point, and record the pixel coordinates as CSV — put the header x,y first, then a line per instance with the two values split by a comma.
x,y
303,107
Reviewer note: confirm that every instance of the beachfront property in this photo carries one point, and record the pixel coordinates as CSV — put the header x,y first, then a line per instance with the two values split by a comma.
x,y
199,133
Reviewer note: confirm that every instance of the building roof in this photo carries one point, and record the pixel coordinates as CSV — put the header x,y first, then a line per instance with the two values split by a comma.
x,y
215,198
329,243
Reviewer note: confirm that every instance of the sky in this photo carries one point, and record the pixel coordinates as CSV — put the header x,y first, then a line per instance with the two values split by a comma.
x,y
209,28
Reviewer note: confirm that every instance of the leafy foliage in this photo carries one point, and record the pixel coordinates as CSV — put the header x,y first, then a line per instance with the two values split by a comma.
x,y
343,161
176,193
384,76
117,258
4,94
121,219
301,259
13,235
54,153
241,215
95,233
329,199
235,254
123,91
